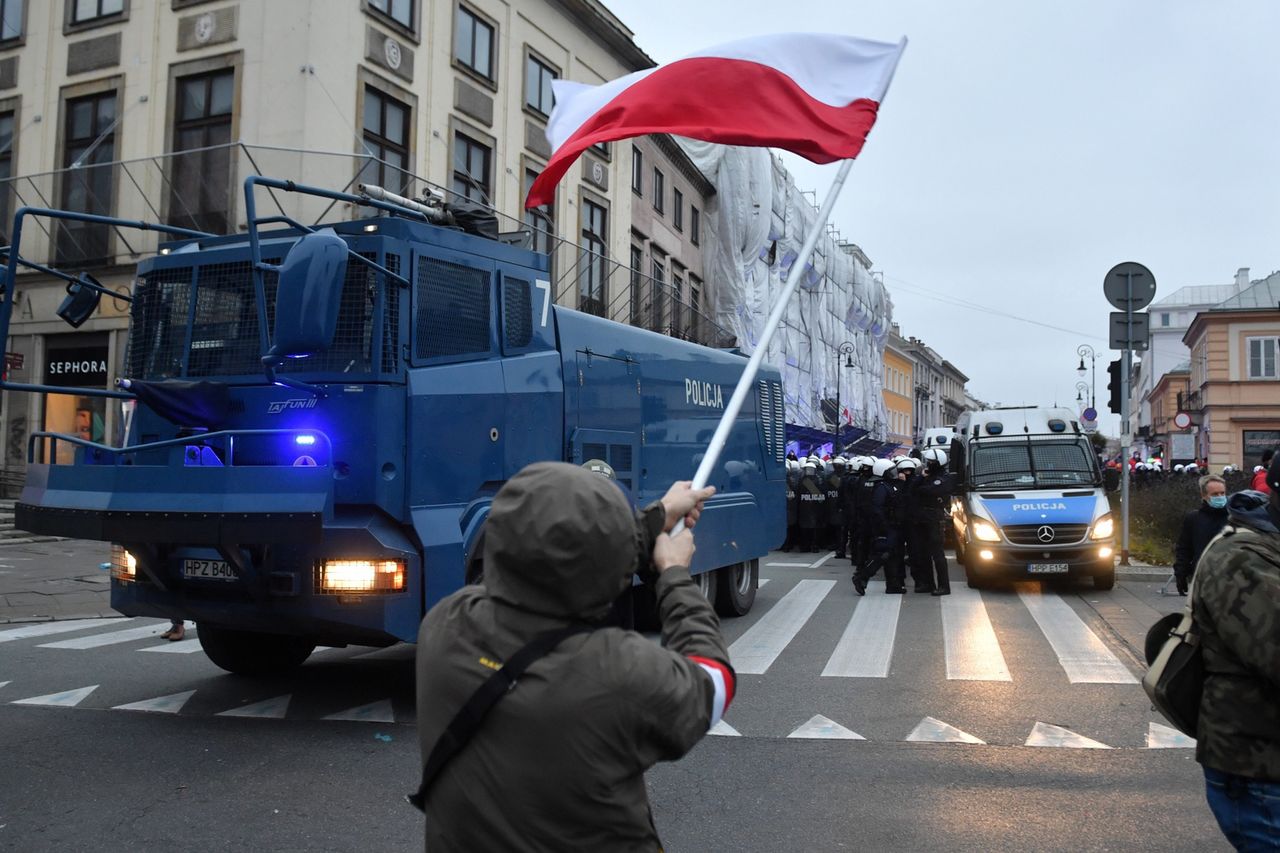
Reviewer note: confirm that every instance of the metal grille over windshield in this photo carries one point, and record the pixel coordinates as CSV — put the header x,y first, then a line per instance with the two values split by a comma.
x,y
222,325
1030,464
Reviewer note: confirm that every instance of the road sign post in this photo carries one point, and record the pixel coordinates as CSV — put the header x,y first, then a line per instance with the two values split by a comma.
x,y
1129,287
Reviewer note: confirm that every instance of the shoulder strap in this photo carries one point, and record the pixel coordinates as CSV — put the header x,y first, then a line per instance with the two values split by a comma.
x,y
467,721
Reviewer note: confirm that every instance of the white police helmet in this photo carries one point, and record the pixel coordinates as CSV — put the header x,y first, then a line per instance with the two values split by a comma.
x,y
1178,469
936,455
1257,468
906,463
1192,468
881,467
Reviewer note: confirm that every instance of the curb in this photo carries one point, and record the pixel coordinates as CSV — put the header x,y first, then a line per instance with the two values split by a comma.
x,y
89,614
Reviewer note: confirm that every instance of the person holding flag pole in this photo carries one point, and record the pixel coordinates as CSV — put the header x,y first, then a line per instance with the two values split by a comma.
x,y
560,763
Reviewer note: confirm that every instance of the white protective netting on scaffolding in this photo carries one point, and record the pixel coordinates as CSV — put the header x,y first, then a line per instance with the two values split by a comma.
x,y
761,220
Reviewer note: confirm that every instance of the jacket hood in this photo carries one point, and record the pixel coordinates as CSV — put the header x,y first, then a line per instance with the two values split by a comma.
x,y
560,541
1252,510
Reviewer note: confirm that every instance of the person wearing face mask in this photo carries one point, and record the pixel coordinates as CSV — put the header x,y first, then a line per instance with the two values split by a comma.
x,y
1198,529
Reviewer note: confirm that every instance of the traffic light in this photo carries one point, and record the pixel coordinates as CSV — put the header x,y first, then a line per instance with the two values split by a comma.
x,y
1113,370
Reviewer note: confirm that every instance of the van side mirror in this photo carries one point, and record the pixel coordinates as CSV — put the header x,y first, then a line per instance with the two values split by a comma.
x,y
82,300
308,297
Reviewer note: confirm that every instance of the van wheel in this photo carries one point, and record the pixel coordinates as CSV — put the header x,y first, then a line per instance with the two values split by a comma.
x,y
251,652
736,588
975,581
1106,580
706,582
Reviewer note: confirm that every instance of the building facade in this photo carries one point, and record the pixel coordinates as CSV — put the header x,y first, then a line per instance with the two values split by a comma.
x,y
158,111
898,384
1234,397
1165,439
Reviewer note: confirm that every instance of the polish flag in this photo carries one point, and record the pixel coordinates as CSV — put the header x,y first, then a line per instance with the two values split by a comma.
x,y
814,94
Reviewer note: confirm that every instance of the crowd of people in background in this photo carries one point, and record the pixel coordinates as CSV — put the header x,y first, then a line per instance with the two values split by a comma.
x,y
880,514
1153,470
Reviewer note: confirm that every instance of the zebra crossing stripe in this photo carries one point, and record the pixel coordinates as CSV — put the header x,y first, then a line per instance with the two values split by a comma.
x,y
761,582
1160,736
65,699
1083,656
930,730
817,564
271,709
789,565
93,641
819,727
3,683
723,729
756,650
44,629
972,650
374,712
1044,734
170,704
865,649
182,647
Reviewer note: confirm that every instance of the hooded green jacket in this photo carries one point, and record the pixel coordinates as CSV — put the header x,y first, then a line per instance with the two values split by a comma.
x,y
559,762
1237,611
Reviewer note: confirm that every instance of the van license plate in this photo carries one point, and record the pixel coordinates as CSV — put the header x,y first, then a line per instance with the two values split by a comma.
x,y
1047,568
218,570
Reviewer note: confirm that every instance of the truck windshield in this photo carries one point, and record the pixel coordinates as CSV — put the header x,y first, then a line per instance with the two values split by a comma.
x,y
1031,464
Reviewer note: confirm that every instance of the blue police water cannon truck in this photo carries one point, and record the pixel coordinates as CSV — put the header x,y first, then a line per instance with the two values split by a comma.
x,y
1032,503
321,417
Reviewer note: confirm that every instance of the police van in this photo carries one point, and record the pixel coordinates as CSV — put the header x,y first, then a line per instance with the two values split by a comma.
x,y
938,437
1033,504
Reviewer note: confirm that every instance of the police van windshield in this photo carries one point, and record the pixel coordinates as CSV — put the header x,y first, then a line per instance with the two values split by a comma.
x,y
1030,464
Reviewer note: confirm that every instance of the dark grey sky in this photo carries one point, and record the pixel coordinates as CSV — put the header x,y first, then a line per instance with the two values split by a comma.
x,y
1026,147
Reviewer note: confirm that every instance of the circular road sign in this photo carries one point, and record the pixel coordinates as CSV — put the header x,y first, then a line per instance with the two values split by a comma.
x,y
1182,420
1090,414
1116,286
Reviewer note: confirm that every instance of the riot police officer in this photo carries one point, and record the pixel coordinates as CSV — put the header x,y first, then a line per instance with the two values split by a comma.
x,y
884,550
835,509
931,493
901,513
811,515
863,522
793,503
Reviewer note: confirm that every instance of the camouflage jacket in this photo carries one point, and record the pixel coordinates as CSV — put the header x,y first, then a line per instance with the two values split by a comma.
x,y
1237,611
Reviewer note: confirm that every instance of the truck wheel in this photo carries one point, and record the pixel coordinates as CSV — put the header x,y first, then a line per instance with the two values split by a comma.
x,y
251,652
736,588
1105,580
706,582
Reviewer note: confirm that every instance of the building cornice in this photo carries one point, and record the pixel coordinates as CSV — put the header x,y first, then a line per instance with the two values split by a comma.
x,y
609,31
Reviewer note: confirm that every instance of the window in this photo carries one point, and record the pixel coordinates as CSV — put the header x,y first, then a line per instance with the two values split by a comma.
x,y
659,190
658,304
473,43
637,171
537,85
695,308
90,10
88,144
1164,319
677,209
200,189
472,164
637,282
400,11
695,226
6,170
542,220
1262,358
677,302
10,19
385,135
595,248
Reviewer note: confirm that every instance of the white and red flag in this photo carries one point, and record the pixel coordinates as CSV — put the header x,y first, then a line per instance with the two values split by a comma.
x,y
814,94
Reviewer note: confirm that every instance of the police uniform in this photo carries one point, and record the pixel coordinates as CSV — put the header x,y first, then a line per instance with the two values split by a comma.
x,y
811,512
885,550
835,510
931,494
864,529
793,501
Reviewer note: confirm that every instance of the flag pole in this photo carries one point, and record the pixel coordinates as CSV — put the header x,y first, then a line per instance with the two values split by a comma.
x,y
749,372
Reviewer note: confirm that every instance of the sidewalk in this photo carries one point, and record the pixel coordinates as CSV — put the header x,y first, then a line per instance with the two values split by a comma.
x,y
45,579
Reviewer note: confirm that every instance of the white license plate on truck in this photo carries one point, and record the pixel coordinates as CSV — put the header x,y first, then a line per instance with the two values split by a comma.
x,y
1047,568
217,570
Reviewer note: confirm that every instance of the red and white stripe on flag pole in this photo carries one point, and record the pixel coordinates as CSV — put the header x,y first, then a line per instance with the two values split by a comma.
x,y
814,94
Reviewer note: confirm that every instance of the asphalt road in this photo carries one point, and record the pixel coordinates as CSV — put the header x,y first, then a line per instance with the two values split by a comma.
x,y
208,761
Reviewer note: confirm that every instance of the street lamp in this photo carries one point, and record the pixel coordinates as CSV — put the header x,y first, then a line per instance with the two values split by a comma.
x,y
1082,388
845,349
1085,350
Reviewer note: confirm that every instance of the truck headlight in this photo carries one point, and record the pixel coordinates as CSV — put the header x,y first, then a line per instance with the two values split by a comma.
x,y
985,531
343,576
124,567
1103,528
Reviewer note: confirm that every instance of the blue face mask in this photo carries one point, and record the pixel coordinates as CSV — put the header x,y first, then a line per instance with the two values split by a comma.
x,y
1218,502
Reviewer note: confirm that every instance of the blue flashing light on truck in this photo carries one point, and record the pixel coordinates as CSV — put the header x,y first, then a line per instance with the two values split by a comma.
x,y
323,415
1032,505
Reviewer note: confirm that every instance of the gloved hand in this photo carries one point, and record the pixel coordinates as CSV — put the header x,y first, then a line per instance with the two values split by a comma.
x,y
1182,585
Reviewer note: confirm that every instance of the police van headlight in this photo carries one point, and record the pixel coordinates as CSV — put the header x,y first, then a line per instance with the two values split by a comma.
x,y
348,576
1103,528
985,531
124,567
